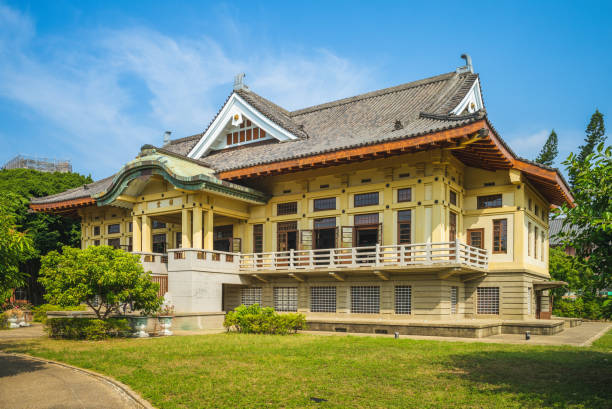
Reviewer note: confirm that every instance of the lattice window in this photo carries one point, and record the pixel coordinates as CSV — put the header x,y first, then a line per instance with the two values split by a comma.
x,y
365,299
454,295
328,203
366,199
286,208
258,238
404,229
488,300
250,296
404,195
485,202
96,230
403,299
366,219
500,236
285,298
474,237
453,197
323,299
326,223
114,228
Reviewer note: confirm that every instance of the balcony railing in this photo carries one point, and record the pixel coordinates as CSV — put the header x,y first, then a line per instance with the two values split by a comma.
x,y
423,254
454,254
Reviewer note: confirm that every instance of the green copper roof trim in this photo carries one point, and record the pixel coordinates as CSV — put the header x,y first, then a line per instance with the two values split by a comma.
x,y
200,182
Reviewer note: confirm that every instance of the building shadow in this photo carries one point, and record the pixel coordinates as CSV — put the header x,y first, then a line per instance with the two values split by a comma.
x,y
553,378
14,365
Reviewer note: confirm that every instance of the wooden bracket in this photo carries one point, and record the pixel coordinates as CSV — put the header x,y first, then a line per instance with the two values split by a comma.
x,y
337,276
472,277
260,278
382,275
298,277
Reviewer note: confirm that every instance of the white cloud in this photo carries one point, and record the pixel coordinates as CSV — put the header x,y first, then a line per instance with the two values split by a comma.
x,y
110,91
529,146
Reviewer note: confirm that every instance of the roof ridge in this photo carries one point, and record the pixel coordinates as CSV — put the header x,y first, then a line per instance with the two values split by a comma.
x,y
184,139
373,94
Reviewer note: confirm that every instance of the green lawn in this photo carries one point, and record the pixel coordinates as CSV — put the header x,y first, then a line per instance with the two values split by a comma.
x,y
252,371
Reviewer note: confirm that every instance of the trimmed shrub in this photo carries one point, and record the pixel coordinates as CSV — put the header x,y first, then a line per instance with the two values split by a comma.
x,y
92,329
590,308
256,320
40,312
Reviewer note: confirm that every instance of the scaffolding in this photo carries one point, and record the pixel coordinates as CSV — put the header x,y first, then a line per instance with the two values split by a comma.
x,y
41,164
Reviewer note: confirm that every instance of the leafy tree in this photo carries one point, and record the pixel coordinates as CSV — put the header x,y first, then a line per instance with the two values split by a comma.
x,y
591,218
549,151
15,248
48,232
113,277
595,134
564,267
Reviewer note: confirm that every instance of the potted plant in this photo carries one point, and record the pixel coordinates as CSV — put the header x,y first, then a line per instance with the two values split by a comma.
x,y
139,325
15,315
165,319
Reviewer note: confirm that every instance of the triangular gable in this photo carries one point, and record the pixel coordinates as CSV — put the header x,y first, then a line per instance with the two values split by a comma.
x,y
237,112
472,101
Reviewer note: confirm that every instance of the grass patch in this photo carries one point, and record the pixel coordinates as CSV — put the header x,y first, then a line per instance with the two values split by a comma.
x,y
238,370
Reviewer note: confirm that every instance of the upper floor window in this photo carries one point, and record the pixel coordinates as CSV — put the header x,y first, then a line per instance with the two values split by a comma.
x,y
404,195
452,226
130,226
366,199
475,237
537,210
114,243
485,202
530,204
453,197
114,228
328,203
500,236
257,238
96,230
286,208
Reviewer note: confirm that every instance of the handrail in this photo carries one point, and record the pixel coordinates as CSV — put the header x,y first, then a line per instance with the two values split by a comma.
x,y
379,255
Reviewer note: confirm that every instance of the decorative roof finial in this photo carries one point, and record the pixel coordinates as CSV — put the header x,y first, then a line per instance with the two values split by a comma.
x,y
468,67
239,82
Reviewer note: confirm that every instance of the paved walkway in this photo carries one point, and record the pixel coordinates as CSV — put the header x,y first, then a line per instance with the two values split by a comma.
x,y
582,335
33,383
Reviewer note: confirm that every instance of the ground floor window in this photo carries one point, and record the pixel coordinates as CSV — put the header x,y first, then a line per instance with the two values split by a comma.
x,y
403,299
365,299
453,299
115,243
323,299
250,296
285,298
488,300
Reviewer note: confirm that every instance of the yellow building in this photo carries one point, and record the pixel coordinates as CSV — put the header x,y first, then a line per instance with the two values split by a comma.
x,y
396,205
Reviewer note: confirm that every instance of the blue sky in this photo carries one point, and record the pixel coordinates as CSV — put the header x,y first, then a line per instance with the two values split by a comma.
x,y
93,81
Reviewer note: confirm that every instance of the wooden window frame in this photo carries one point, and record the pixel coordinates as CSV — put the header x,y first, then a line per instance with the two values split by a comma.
x,y
365,195
324,200
288,208
399,195
505,251
258,237
481,201
469,237
452,227
399,228
452,194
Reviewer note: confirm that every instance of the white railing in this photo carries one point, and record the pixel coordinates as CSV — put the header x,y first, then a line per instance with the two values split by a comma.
x,y
156,263
204,260
372,256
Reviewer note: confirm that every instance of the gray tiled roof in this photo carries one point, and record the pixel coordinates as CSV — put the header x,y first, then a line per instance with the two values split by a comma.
x,y
555,228
359,121
76,193
422,107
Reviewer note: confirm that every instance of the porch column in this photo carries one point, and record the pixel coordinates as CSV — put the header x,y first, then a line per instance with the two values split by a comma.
x,y
208,230
136,234
197,227
186,229
146,234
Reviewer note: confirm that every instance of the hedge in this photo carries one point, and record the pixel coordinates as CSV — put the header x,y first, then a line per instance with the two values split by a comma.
x,y
87,328
256,320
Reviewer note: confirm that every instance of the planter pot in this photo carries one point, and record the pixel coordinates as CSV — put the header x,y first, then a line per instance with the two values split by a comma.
x,y
139,325
165,323
13,322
